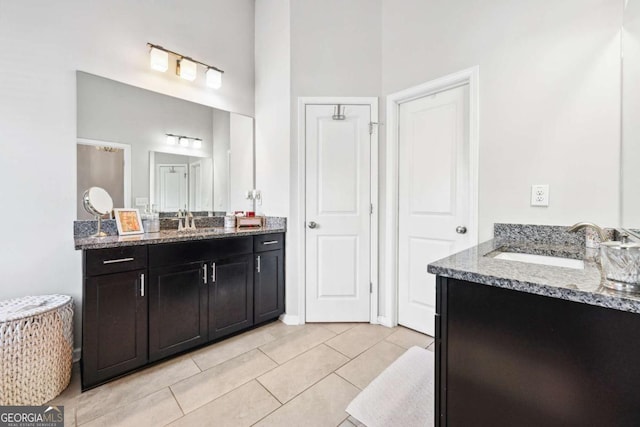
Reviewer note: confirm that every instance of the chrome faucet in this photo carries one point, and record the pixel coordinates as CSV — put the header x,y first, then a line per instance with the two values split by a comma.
x,y
581,225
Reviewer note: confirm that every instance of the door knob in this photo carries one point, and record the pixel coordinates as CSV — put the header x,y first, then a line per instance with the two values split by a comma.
x,y
312,224
461,229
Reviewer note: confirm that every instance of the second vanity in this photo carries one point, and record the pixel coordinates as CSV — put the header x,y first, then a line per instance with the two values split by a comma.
x,y
525,344
152,296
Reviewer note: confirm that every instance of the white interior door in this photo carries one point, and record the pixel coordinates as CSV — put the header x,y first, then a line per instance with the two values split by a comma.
x,y
338,221
172,187
434,197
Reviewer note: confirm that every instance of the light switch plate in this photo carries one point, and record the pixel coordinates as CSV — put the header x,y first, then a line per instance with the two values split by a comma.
x,y
540,195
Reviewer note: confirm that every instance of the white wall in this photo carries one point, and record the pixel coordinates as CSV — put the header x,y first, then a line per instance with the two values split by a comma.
x,y
335,51
273,109
549,96
43,43
273,124
631,111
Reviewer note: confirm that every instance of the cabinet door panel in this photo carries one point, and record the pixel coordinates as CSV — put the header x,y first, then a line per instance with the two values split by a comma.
x,y
231,296
177,309
115,326
269,286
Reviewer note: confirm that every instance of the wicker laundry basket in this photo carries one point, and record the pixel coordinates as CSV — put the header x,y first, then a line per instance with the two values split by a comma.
x,y
36,348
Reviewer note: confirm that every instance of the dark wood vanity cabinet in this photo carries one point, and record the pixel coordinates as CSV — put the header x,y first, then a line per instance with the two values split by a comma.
x,y
511,358
145,303
230,295
114,329
269,278
177,308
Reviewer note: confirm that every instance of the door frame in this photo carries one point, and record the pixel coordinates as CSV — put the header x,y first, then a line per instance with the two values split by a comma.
x,y
127,163
299,224
468,76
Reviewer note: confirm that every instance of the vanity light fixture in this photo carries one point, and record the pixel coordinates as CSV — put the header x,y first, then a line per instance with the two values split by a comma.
x,y
158,60
214,78
183,140
186,67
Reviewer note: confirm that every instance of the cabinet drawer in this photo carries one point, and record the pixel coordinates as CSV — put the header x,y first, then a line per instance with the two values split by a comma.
x,y
268,242
114,260
202,250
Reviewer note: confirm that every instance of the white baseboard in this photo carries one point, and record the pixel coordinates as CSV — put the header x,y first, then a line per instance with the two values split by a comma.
x,y
77,354
290,319
384,321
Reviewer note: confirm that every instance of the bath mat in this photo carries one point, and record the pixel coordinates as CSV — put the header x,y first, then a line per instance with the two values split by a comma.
x,y
402,395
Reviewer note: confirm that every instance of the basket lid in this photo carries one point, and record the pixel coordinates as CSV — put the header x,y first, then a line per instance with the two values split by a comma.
x,y
19,308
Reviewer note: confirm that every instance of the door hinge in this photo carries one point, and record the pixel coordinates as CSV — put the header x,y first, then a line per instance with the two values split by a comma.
x,y
371,209
371,124
370,287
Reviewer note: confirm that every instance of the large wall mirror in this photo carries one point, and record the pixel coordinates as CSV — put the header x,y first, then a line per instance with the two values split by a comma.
x,y
129,142
631,116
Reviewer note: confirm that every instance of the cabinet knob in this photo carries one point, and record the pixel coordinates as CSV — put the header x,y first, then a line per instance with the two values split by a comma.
x,y
312,224
461,229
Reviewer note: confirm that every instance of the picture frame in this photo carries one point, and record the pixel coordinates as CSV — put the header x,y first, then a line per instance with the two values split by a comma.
x,y
128,221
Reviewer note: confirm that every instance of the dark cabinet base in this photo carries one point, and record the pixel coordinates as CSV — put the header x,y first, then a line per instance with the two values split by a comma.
x,y
143,304
508,358
177,309
269,286
231,296
114,332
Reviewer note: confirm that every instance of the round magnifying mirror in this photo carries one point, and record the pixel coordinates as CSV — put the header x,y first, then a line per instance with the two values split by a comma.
x,y
97,202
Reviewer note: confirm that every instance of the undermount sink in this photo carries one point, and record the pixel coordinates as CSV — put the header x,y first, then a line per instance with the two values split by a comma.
x,y
541,259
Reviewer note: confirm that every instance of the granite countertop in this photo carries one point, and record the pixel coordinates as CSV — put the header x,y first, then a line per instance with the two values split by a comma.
x,y
170,236
580,285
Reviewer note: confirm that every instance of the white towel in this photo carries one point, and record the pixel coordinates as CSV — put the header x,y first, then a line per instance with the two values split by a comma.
x,y
402,395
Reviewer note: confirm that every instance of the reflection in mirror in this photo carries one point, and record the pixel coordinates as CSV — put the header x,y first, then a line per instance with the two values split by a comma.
x,y
216,173
630,114
180,182
102,164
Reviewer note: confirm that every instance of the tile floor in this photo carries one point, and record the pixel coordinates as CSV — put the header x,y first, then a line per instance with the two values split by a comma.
x,y
276,375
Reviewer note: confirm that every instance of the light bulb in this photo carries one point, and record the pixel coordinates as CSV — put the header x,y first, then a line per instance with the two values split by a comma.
x,y
187,69
171,139
214,78
184,141
197,143
158,60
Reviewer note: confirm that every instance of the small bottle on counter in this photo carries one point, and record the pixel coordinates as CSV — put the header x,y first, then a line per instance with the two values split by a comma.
x,y
155,220
150,219
146,220
229,220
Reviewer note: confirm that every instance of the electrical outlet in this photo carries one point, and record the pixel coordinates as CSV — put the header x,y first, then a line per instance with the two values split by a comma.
x,y
142,201
540,195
